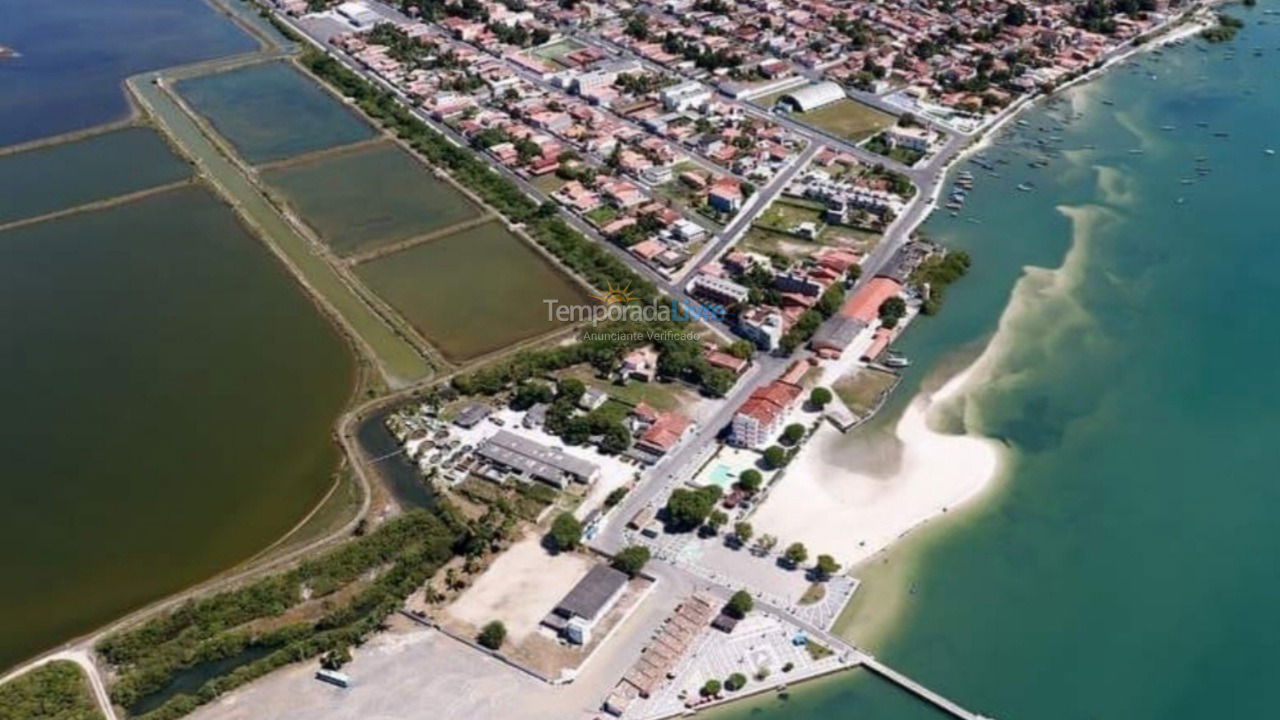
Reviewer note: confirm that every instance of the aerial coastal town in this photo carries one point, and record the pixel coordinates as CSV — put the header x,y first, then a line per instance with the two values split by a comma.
x,y
626,525
769,159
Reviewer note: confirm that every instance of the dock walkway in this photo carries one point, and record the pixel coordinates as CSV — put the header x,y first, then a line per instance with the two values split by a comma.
x,y
919,690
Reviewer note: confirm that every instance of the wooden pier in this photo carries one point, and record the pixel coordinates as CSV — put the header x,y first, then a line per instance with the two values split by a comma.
x,y
918,690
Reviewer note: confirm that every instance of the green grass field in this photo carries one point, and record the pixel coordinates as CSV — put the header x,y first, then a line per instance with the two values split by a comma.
x,y
848,119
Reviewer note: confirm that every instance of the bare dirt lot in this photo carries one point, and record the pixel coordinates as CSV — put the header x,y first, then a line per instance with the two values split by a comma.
x,y
519,588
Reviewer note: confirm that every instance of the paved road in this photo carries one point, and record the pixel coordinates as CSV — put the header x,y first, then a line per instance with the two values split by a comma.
x,y
686,458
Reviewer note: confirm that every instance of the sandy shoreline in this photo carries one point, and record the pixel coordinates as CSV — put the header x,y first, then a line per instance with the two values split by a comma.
x,y
853,514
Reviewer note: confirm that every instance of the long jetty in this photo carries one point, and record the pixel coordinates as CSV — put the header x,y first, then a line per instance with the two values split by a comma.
x,y
918,690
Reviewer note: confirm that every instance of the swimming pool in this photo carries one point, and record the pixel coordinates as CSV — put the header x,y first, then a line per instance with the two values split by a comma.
x,y
723,475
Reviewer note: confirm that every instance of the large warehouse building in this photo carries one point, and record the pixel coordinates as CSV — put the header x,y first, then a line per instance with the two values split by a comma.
x,y
812,97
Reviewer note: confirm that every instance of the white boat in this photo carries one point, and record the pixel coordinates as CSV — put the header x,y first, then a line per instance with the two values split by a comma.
x,y
1269,151
1025,187
895,360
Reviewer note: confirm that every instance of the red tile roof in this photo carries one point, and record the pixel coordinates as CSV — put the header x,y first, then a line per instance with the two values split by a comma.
x,y
666,431
865,304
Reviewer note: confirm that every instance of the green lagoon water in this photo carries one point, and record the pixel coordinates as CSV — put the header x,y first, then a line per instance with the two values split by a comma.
x,y
472,292
169,393
369,198
272,111
1122,568
55,177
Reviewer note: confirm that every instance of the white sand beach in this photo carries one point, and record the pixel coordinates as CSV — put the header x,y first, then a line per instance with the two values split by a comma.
x,y
852,514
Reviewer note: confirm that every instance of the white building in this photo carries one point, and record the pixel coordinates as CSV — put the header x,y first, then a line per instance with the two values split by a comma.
x,y
812,97
910,138
361,16
719,289
604,76
762,326
691,94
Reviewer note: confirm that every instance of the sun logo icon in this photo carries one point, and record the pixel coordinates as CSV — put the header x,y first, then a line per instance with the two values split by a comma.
x,y
613,295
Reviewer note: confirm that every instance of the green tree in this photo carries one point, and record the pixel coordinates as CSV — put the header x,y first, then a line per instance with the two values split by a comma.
x,y
740,603
735,682
793,433
615,496
767,543
831,301
892,310
335,659
796,554
717,381
742,531
492,635
775,457
687,509
716,520
750,481
819,397
631,560
710,688
616,438
741,349
570,390
825,567
528,394
566,532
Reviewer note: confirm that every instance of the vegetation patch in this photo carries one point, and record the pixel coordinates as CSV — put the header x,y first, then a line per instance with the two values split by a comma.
x,y
54,691
817,650
813,594
864,390
402,554
939,271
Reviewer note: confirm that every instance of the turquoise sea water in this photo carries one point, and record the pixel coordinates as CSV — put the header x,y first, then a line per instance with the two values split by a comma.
x,y
75,53
1122,568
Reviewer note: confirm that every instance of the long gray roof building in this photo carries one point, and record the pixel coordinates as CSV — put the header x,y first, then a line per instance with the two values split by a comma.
x,y
593,594
535,460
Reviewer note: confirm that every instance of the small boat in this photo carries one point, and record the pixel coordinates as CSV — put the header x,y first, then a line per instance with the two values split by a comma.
x,y
1202,124
1108,102
1268,151
954,206
894,360
1221,134
1136,151
1186,181
1026,187
1180,201
1167,128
